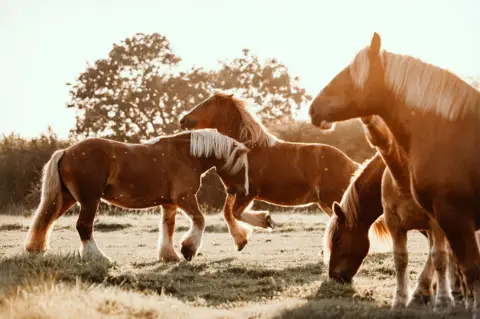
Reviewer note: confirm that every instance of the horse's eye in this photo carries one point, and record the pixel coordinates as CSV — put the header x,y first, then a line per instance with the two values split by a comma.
x,y
336,239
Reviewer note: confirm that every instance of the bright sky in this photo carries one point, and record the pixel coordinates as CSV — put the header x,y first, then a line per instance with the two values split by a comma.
x,y
46,43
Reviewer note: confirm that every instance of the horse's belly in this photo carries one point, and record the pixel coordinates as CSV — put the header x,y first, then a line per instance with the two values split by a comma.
x,y
131,197
287,195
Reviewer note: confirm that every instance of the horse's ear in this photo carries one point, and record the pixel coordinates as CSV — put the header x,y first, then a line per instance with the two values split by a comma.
x,y
375,44
337,210
231,95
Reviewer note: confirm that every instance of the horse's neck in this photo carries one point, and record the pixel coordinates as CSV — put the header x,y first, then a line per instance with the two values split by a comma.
x,y
229,128
381,137
370,204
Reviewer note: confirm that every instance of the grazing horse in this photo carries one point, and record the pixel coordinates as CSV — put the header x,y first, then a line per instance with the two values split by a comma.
x,y
346,238
164,171
434,118
281,173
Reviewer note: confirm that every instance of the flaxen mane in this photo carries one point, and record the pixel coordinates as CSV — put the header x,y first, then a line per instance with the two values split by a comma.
x,y
208,142
350,206
350,201
421,85
252,131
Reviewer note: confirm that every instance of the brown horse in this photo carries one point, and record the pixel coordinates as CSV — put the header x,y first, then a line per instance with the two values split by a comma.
x,y
402,214
433,117
281,173
346,238
164,171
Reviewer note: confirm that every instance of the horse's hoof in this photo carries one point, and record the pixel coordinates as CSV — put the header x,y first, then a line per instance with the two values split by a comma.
x,y
169,257
270,222
242,245
457,295
420,300
399,303
444,302
187,253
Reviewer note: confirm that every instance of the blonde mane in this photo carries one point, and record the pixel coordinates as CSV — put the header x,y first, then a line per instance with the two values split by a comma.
x,y
350,204
252,131
208,142
421,85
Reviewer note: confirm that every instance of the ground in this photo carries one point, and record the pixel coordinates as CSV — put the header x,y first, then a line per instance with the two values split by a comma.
x,y
279,274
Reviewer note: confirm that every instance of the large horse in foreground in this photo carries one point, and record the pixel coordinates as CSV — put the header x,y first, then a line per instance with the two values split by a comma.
x,y
356,212
164,171
280,172
434,118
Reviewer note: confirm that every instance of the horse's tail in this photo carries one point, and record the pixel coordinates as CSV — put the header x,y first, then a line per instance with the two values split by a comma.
x,y
379,231
51,183
51,199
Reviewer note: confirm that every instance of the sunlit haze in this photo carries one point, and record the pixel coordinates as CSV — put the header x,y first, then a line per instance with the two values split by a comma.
x,y
45,44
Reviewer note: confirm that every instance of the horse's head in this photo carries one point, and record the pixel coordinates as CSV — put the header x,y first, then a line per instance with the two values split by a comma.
x,y
346,246
357,91
206,113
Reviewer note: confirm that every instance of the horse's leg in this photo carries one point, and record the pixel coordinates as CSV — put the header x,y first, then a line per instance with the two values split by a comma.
x,y
239,230
166,252
192,240
456,277
400,257
423,291
38,236
439,252
85,221
260,219
459,228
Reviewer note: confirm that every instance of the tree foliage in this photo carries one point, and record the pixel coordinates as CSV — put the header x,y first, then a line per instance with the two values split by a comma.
x,y
137,92
269,85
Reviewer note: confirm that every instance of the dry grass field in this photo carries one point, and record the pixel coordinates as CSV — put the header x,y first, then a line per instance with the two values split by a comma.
x,y
279,274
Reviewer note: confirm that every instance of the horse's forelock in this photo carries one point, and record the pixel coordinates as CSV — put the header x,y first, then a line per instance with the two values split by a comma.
x,y
360,67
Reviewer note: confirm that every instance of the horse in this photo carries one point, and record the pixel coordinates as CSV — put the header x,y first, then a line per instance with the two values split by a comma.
x,y
346,239
433,117
402,214
164,171
282,173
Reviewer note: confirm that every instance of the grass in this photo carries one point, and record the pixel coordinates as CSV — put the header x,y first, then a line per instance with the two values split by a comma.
x,y
277,275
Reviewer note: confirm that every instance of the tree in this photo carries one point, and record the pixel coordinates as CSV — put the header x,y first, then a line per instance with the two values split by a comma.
x,y
269,85
136,92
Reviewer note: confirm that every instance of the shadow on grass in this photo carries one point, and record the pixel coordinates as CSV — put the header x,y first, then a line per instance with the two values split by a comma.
x,y
336,300
352,309
108,227
11,227
225,282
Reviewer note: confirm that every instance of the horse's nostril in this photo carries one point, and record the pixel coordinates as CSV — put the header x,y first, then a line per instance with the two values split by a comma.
x,y
311,111
182,120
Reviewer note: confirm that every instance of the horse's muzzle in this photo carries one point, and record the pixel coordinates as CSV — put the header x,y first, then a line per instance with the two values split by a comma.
x,y
339,277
